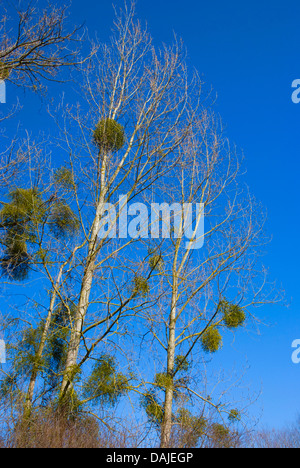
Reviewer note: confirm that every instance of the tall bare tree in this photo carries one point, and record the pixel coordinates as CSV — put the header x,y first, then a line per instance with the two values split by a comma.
x,y
141,113
212,278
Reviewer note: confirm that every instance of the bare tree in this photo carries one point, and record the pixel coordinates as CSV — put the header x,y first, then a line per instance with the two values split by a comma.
x,y
34,44
140,113
209,288
288,437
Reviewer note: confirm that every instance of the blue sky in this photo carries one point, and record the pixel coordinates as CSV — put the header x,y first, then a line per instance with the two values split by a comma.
x,y
249,53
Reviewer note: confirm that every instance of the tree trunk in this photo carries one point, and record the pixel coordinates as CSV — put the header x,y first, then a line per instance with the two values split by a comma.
x,y
34,374
86,286
168,404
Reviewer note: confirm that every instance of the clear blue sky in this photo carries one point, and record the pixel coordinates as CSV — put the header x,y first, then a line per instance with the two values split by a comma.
x,y
249,53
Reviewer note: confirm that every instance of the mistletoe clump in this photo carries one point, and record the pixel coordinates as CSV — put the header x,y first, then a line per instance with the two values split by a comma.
x,y
182,364
56,351
19,219
25,205
63,221
163,381
15,262
63,177
211,340
191,427
109,136
24,356
234,316
234,415
105,384
154,410
4,71
155,261
140,286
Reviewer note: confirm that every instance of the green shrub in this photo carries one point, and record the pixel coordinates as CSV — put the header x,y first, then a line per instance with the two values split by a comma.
x,y
25,205
19,219
62,220
153,409
211,340
192,428
15,261
63,177
140,286
234,416
4,71
234,316
181,364
105,384
163,381
156,262
109,135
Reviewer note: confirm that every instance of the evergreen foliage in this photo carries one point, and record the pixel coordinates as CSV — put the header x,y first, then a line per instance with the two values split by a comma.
x,y
19,219
63,177
221,436
105,385
181,364
109,136
234,415
24,360
163,381
155,261
234,316
211,340
153,409
191,428
140,286
4,71
62,221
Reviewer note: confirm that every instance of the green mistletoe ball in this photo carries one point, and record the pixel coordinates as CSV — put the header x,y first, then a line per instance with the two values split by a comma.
x,y
109,135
